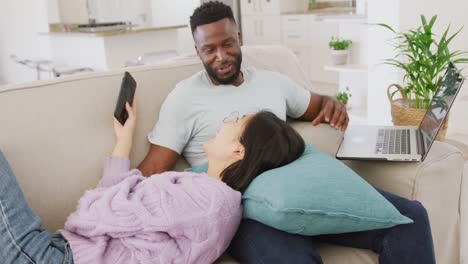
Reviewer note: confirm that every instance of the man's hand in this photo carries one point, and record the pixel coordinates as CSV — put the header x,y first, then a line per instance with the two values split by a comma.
x,y
333,112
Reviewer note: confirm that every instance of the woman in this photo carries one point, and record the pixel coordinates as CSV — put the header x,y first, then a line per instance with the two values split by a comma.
x,y
174,217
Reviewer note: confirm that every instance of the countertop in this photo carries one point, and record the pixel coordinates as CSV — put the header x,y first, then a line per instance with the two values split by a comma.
x,y
70,30
330,12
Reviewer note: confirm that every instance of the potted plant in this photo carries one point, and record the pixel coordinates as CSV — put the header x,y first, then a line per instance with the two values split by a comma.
x,y
343,96
339,50
424,59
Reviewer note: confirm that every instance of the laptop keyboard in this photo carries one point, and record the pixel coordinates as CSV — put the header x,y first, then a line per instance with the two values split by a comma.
x,y
393,141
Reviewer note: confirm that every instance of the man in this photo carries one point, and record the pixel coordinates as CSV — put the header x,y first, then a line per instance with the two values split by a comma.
x,y
194,110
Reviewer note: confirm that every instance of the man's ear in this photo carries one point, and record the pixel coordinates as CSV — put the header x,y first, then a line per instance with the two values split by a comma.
x,y
198,54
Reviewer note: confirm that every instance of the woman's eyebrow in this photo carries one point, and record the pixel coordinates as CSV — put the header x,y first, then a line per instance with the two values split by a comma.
x,y
240,118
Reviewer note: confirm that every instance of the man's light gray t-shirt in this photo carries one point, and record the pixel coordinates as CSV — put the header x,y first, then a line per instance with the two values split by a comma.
x,y
194,110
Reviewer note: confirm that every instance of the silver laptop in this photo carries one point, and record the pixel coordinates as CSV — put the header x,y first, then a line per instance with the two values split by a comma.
x,y
403,143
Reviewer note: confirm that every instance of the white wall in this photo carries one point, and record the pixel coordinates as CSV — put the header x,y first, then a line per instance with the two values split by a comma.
x,y
172,12
449,12
175,12
380,75
454,13
402,15
2,71
53,13
73,11
19,23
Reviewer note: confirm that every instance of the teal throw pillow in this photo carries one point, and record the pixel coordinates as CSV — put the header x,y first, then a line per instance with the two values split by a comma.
x,y
317,194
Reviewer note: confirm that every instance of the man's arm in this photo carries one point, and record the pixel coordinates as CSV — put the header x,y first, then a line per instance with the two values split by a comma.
x,y
158,160
326,109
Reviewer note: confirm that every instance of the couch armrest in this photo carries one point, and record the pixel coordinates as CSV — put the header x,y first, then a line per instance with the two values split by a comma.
x,y
324,137
436,183
464,216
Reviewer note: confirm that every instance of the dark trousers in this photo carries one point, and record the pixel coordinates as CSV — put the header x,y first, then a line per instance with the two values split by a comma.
x,y
409,243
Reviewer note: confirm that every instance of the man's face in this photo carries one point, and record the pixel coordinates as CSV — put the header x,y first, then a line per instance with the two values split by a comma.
x,y
218,47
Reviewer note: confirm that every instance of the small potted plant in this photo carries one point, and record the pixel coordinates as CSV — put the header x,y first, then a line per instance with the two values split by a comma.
x,y
344,96
423,56
339,50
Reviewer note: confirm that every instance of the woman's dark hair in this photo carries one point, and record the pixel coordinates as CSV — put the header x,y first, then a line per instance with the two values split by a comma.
x,y
269,143
210,12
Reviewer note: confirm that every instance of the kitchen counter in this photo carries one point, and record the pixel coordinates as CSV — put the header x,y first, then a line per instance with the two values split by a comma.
x,y
331,13
72,30
109,46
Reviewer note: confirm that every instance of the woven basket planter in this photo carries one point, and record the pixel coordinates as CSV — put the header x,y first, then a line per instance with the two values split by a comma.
x,y
404,115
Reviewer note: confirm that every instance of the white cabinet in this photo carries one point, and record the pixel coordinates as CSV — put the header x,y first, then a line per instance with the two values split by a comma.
x,y
269,7
294,38
294,23
261,30
309,38
260,7
261,19
248,7
137,11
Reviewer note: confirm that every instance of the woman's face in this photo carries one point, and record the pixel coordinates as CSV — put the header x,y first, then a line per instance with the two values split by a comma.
x,y
225,147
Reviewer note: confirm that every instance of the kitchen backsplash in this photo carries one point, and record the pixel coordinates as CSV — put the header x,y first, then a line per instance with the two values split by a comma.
x,y
332,3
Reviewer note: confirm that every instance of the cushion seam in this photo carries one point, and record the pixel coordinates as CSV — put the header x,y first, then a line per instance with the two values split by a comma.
x,y
322,212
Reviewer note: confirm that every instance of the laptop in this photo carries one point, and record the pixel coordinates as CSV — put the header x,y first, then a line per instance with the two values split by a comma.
x,y
403,143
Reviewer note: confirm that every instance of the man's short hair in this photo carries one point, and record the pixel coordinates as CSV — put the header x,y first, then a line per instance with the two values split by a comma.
x,y
210,12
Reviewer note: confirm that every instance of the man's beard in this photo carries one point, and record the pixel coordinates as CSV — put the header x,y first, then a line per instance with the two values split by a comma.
x,y
230,79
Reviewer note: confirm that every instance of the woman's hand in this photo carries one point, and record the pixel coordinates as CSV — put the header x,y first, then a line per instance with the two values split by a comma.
x,y
124,134
129,127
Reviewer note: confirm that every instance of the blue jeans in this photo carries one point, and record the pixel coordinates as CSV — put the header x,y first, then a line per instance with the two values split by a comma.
x,y
409,243
22,240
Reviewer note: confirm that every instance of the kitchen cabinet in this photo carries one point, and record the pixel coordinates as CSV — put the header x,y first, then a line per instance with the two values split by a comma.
x,y
260,7
269,7
261,19
82,11
308,37
136,11
261,30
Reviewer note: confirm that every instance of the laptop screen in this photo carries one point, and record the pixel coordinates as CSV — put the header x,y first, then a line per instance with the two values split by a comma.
x,y
440,105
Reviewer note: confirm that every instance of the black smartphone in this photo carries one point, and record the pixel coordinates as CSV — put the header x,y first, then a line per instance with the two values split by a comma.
x,y
127,92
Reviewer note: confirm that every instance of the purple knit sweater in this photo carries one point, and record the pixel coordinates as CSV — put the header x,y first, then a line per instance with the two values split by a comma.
x,y
174,217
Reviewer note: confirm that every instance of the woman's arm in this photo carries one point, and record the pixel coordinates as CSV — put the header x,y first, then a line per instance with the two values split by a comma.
x,y
116,167
124,134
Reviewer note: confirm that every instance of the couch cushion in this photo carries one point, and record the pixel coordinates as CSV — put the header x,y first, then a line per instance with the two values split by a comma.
x,y
316,194
333,254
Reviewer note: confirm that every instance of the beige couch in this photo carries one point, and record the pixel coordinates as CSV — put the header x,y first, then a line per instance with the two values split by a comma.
x,y
56,133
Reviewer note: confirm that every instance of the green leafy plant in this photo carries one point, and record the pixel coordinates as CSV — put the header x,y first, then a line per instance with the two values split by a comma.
x,y
424,59
343,96
339,44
